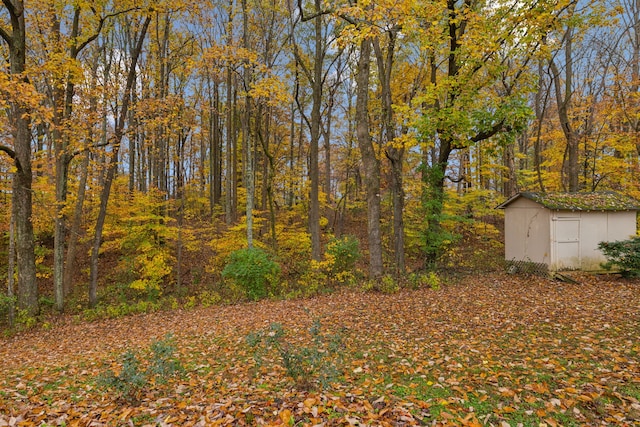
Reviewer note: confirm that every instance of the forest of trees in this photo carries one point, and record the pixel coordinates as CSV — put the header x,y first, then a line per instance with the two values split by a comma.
x,y
142,142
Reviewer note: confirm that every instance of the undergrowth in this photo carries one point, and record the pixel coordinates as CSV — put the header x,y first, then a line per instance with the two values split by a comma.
x,y
133,377
311,366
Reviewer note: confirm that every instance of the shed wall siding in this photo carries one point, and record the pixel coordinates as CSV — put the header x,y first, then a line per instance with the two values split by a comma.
x,y
527,232
621,225
562,239
593,228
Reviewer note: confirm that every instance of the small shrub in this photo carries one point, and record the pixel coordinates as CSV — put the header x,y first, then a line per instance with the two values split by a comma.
x,y
132,378
624,255
388,285
46,302
190,302
128,383
347,278
24,320
6,303
114,311
294,246
153,266
42,268
433,281
209,298
369,285
252,269
171,303
430,279
314,280
345,252
315,365
140,231
164,364
338,268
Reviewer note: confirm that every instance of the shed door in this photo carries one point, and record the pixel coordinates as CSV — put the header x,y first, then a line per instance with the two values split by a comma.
x,y
567,232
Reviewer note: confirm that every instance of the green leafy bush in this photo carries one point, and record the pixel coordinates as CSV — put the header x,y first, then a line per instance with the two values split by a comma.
x,y
388,285
623,255
429,279
115,311
252,269
344,252
132,378
164,364
315,365
128,383
6,302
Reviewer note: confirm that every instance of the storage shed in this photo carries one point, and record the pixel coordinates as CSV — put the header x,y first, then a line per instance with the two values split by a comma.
x,y
562,230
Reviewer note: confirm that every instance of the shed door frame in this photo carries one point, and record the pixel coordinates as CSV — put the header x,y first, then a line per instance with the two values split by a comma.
x,y
566,240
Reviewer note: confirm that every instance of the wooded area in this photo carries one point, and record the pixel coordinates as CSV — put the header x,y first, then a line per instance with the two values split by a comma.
x,y
142,143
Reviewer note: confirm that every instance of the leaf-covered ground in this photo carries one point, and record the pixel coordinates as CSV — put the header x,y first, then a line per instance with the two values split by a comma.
x,y
495,350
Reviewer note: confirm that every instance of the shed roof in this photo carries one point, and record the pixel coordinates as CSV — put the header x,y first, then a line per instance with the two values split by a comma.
x,y
595,201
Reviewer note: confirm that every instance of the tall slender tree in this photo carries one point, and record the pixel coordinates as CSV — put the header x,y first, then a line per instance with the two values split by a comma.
x,y
113,158
393,151
314,75
479,60
65,51
370,162
15,37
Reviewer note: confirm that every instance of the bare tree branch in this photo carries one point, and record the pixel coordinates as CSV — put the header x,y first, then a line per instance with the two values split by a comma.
x,y
101,22
313,16
488,133
6,37
12,8
9,151
13,12
306,18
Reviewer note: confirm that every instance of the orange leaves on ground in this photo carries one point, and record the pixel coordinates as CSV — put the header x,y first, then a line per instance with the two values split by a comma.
x,y
492,351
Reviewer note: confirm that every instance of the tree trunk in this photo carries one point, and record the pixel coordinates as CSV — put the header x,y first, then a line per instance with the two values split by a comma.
x,y
314,123
62,159
326,135
230,149
22,211
11,264
269,173
433,196
393,153
63,91
75,225
563,100
62,173
21,155
370,163
215,166
314,173
132,148
246,131
509,183
230,178
113,164
289,190
540,107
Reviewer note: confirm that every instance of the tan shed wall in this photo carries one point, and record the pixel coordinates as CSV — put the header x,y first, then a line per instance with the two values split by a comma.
x,y
562,239
595,227
527,232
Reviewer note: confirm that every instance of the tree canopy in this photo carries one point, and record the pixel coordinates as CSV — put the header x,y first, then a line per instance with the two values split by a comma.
x,y
141,143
